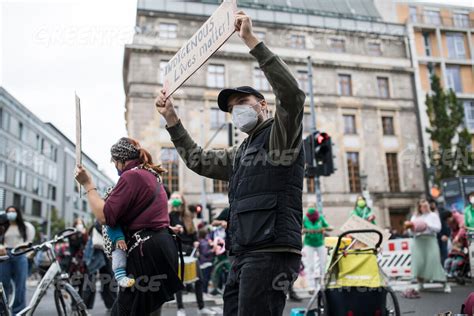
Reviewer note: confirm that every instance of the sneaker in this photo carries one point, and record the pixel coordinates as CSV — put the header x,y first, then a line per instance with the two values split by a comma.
x,y
206,311
181,312
419,287
294,297
126,282
447,288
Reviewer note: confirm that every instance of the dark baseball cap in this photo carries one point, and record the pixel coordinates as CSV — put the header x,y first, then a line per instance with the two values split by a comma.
x,y
223,98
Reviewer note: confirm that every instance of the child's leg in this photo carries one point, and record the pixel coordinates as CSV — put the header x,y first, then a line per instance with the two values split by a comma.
x,y
119,265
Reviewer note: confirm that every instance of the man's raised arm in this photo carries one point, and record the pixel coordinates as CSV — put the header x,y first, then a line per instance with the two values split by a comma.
x,y
215,164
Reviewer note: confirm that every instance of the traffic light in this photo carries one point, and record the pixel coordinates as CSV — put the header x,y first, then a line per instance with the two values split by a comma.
x,y
318,155
233,134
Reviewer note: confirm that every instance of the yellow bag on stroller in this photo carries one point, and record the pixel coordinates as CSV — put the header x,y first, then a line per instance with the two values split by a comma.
x,y
357,268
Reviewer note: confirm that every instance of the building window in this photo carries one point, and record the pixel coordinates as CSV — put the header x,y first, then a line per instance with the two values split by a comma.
x,y
303,80
374,49
1,118
310,185
349,124
218,118
297,41
432,17
84,206
413,14
427,42
456,47
169,159
52,192
4,120
21,131
216,76
453,75
392,171
382,85
345,85
3,172
3,195
387,125
461,19
36,208
338,45
168,30
353,171
220,186
260,82
469,114
20,179
163,64
19,201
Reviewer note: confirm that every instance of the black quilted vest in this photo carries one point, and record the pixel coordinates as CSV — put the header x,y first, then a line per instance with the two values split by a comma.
x,y
265,197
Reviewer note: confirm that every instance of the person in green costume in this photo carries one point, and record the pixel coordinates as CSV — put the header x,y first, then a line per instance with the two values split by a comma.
x,y
314,227
362,210
469,213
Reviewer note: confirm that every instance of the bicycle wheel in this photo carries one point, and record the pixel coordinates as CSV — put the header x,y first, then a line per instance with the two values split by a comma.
x,y
219,276
68,302
392,308
4,309
322,304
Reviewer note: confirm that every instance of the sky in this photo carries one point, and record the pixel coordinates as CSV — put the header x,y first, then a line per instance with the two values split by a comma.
x,y
51,48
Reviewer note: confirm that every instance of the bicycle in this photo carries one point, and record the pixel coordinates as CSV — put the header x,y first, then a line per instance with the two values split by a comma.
x,y
55,275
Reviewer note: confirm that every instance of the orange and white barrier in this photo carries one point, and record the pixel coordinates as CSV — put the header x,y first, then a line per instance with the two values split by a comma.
x,y
395,258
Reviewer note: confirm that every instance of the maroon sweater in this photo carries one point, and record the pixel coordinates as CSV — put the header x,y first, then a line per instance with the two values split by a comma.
x,y
134,191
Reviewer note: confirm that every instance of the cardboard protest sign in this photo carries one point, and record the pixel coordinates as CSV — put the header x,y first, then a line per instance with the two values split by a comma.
x,y
370,239
200,47
78,135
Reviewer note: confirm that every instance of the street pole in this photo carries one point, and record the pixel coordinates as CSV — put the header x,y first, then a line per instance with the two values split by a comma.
x,y
205,211
317,189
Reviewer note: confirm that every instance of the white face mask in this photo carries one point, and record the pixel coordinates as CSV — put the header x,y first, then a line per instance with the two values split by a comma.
x,y
471,200
80,227
244,117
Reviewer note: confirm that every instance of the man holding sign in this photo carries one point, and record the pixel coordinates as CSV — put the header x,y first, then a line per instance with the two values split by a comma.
x,y
265,175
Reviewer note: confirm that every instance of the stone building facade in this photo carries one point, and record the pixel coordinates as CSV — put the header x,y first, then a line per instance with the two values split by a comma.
x,y
363,86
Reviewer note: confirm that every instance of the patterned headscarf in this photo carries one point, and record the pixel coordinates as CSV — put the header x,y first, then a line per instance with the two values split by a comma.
x,y
123,151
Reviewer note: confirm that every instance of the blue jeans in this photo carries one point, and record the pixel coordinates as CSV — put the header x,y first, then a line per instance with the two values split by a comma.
x,y
16,269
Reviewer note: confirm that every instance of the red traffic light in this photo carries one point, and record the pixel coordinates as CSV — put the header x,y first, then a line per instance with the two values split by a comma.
x,y
321,138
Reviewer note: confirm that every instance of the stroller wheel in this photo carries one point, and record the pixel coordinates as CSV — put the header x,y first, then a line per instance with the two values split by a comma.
x,y
392,308
322,304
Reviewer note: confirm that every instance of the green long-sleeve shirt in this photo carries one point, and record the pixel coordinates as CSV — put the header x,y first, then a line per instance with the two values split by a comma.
x,y
469,217
286,131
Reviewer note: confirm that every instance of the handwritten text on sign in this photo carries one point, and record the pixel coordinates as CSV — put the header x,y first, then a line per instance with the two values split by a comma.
x,y
370,239
200,47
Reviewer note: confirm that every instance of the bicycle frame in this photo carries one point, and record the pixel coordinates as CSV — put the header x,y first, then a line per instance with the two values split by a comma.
x,y
53,272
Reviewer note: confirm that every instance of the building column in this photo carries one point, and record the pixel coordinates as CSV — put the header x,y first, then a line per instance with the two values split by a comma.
x,y
443,78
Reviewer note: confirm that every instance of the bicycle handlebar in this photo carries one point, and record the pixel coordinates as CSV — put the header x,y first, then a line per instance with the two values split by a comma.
x,y
22,249
361,231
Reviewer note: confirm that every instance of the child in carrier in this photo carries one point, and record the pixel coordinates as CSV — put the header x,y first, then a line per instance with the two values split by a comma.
x,y
455,261
119,256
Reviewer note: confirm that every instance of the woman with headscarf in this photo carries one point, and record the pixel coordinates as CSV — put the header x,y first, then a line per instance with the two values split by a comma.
x,y
13,233
425,258
181,222
138,204
314,227
362,210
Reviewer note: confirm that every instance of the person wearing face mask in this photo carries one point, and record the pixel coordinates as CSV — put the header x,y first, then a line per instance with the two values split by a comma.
x,y
138,204
14,233
265,175
363,211
469,212
314,227
425,260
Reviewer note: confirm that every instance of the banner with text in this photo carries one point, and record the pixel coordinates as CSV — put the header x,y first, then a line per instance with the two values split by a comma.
x,y
200,47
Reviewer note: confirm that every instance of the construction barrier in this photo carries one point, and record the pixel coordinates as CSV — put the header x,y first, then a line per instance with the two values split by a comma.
x,y
395,258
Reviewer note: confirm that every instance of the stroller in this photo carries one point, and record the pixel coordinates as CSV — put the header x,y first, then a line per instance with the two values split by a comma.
x,y
354,284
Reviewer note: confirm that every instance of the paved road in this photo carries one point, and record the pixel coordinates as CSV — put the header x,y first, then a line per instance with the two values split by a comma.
x,y
432,301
